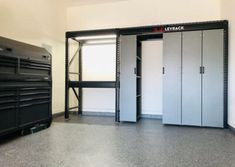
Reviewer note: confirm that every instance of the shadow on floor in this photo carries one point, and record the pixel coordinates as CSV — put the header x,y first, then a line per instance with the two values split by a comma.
x,y
80,119
107,121
9,137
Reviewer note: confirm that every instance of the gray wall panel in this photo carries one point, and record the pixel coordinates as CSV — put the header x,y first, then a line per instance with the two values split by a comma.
x,y
191,78
172,78
128,53
213,78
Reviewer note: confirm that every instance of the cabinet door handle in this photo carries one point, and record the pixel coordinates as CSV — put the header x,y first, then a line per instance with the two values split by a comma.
x,y
163,70
202,70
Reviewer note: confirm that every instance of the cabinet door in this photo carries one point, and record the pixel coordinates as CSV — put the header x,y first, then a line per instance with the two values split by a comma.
x,y
191,78
213,101
128,53
172,78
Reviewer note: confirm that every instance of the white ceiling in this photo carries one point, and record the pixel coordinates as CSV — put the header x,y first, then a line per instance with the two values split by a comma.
x,y
88,2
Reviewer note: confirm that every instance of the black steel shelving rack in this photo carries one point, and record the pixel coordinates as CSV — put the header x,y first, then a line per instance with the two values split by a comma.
x,y
138,79
80,84
142,32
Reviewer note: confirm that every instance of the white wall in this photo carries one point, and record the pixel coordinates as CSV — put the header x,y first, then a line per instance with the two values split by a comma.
x,y
38,22
152,54
137,13
141,12
73,67
99,100
227,12
99,64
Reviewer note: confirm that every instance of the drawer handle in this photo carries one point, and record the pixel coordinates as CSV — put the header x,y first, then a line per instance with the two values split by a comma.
x,y
7,108
9,49
28,105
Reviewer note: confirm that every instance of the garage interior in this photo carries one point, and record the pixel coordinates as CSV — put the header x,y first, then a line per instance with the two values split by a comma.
x,y
89,83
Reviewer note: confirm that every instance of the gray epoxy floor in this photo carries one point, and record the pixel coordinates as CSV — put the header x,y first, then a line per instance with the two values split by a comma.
x,y
99,142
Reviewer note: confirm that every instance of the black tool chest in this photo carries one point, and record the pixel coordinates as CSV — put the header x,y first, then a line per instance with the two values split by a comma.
x,y
25,86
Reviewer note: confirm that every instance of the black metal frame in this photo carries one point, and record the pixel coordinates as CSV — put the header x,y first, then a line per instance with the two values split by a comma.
x,y
80,84
153,30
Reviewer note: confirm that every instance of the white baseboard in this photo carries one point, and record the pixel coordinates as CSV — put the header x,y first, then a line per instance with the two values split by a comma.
x,y
103,114
151,116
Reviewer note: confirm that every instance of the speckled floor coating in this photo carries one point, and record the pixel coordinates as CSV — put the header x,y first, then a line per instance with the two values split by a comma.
x,y
84,142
